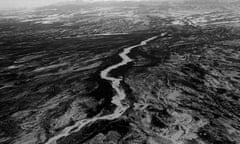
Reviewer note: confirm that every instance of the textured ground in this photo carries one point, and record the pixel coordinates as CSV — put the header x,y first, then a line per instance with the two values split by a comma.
x,y
192,94
182,88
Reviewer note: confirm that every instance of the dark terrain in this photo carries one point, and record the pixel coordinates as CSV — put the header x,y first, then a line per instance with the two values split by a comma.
x,y
182,88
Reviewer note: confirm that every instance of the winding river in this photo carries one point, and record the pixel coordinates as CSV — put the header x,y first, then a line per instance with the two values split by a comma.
x,y
117,99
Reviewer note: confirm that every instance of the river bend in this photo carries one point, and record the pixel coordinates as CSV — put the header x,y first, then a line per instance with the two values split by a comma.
x,y
117,99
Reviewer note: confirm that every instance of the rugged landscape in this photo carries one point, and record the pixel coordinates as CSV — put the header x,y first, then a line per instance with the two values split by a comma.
x,y
182,87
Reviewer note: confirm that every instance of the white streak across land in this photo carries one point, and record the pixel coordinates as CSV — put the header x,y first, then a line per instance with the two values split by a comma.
x,y
117,99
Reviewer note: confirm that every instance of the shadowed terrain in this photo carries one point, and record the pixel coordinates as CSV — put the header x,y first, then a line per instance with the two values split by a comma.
x,y
181,88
